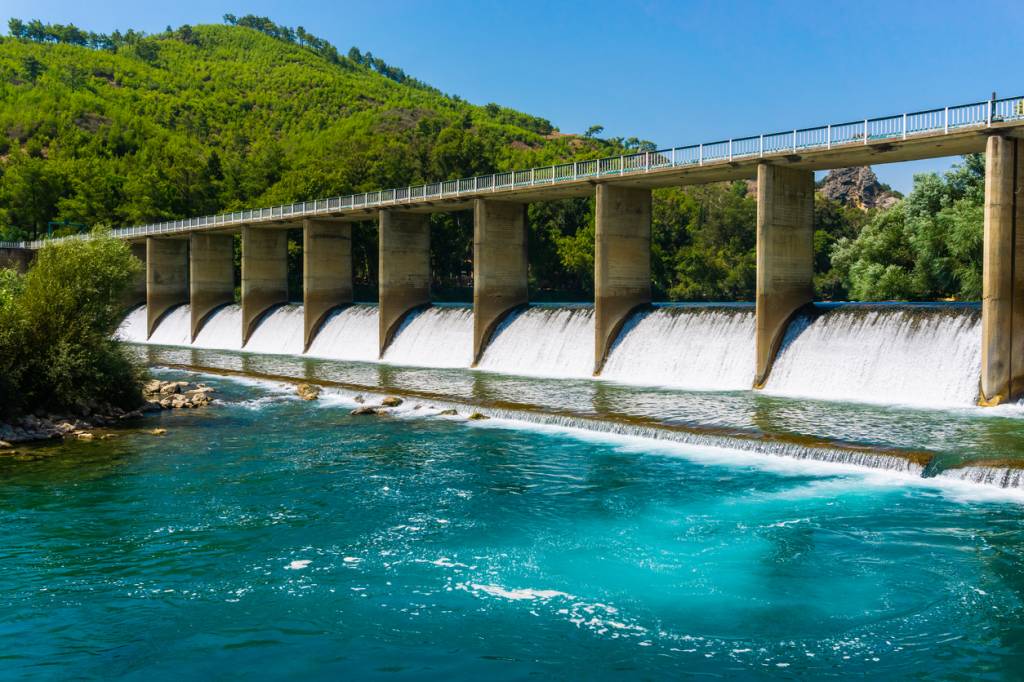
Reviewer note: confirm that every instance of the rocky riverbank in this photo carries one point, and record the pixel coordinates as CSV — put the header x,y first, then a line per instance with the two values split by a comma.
x,y
84,424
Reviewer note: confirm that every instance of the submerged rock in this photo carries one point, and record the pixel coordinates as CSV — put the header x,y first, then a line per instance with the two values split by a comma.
x,y
158,432
448,413
391,401
364,410
476,416
308,391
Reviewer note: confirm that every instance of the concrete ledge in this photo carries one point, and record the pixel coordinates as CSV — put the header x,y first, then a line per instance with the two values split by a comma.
x,y
166,278
785,256
622,262
326,272
500,268
264,274
211,276
404,272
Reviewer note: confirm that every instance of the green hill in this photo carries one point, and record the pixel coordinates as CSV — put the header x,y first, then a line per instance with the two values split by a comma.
x,y
217,117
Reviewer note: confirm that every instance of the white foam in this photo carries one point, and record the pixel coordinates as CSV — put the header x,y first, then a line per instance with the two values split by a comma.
x,y
543,341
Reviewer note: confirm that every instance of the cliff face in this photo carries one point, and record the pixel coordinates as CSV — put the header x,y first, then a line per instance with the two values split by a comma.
x,y
857,187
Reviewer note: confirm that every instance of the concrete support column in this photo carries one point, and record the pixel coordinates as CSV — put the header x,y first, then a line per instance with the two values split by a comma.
x,y
166,278
622,261
326,271
404,272
785,256
135,294
1002,308
211,275
264,274
499,266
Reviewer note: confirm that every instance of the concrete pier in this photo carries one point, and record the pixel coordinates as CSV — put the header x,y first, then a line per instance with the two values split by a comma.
x,y
622,261
135,294
500,267
211,275
404,273
785,256
326,271
17,259
166,278
1002,307
264,274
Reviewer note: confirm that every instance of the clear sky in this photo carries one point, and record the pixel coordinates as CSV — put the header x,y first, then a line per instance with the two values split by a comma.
x,y
675,73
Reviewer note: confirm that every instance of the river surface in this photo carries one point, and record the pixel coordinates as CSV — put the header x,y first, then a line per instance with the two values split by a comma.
x,y
267,537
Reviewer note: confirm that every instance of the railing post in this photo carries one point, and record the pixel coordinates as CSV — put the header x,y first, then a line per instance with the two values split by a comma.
x,y
946,124
760,146
865,131
673,157
647,162
730,150
990,113
622,164
794,141
575,170
904,126
533,176
700,155
828,141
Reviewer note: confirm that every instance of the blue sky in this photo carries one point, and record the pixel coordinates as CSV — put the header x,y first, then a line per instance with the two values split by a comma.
x,y
672,72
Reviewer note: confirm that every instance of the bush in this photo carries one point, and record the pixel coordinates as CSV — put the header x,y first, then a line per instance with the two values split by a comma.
x,y
57,322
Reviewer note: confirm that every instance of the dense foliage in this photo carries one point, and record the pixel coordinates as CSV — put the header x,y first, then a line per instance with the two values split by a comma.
x,y
927,246
126,128
56,329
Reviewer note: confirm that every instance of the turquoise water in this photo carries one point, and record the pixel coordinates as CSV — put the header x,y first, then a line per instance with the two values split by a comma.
x,y
241,546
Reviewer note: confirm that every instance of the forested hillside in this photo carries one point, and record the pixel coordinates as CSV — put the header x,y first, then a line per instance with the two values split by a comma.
x,y
125,128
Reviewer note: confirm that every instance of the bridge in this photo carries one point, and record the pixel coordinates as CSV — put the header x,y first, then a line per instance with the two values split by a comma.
x,y
191,260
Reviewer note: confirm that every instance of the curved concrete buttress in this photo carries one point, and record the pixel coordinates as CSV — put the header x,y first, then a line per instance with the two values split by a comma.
x,y
500,269
211,275
404,272
622,261
264,274
785,256
326,272
166,278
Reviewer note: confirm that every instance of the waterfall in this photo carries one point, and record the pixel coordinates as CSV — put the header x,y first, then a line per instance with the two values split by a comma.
x,y
280,332
348,333
995,475
133,328
688,347
222,330
174,328
926,355
439,336
543,341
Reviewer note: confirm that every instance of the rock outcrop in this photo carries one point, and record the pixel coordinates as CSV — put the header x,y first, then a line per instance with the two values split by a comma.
x,y
171,395
858,187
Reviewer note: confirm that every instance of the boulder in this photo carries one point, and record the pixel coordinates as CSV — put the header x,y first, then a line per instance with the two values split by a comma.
x,y
476,416
364,410
448,413
308,391
158,432
391,401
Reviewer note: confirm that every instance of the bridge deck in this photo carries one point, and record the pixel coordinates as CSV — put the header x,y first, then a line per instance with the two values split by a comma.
x,y
950,131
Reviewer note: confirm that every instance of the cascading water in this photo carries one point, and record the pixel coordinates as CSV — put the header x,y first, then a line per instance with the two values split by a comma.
x,y
439,336
222,330
910,354
689,347
543,341
280,332
174,328
133,328
349,333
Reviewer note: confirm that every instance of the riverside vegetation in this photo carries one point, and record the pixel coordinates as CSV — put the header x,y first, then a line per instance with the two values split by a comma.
x,y
129,128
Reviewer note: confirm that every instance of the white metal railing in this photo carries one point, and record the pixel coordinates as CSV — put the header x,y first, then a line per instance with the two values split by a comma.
x,y
864,131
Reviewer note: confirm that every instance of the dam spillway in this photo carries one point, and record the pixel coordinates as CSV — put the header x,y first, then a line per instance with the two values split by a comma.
x,y
923,355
